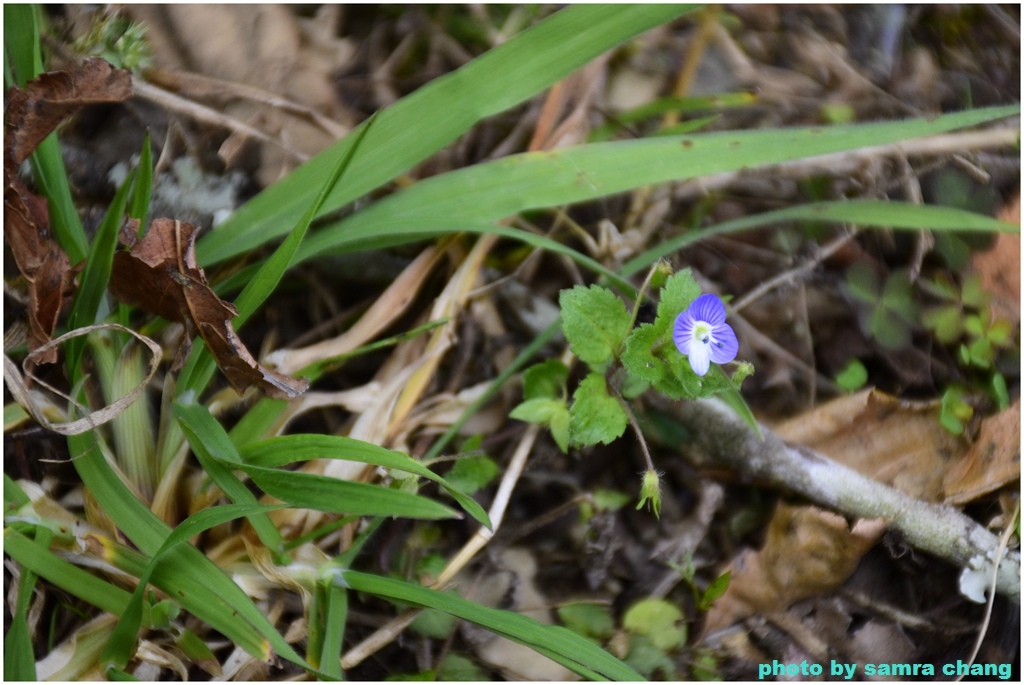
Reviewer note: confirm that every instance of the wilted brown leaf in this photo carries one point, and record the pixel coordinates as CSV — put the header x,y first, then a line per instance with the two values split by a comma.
x,y
159,273
992,461
29,116
40,260
999,267
808,552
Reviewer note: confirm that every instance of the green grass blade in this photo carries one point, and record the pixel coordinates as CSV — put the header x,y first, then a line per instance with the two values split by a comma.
x,y
22,57
82,584
510,73
19,663
486,193
878,213
291,448
122,641
668,104
218,456
269,275
323,493
335,618
96,275
208,592
14,497
559,644
142,193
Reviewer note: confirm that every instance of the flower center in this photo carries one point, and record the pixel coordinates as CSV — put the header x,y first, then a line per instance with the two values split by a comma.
x,y
702,332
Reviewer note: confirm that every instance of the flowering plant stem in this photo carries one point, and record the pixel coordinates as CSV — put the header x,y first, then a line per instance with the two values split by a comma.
x,y
636,427
720,438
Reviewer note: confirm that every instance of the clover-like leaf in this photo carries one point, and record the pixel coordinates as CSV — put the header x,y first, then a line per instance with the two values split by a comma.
x,y
595,416
594,321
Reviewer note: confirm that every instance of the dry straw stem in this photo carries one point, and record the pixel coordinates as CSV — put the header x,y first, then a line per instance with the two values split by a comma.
x,y
204,114
720,438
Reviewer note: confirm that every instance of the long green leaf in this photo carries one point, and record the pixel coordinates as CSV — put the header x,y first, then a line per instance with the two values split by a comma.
x,y
417,126
82,584
486,193
94,279
878,213
119,647
557,643
283,450
19,663
323,493
197,583
217,455
335,618
143,190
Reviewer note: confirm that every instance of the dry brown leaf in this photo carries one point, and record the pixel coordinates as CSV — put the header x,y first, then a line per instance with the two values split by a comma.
x,y
159,273
1000,267
40,260
33,113
992,461
894,441
29,116
808,552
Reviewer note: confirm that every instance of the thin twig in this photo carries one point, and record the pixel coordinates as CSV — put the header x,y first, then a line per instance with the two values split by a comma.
x,y
1004,540
207,115
796,273
720,438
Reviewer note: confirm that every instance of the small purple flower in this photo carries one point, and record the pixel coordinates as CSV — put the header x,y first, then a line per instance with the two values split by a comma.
x,y
702,334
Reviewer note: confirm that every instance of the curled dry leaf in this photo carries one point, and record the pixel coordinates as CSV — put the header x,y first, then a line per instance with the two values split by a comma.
x,y
159,273
40,260
29,116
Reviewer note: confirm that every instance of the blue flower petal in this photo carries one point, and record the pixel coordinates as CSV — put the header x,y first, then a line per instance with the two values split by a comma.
x,y
726,345
700,362
682,334
709,308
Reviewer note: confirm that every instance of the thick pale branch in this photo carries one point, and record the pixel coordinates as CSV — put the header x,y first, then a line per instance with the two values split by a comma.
x,y
720,438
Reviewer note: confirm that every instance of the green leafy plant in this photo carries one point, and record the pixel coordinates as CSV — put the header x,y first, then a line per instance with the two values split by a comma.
x,y
235,465
963,318
623,361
